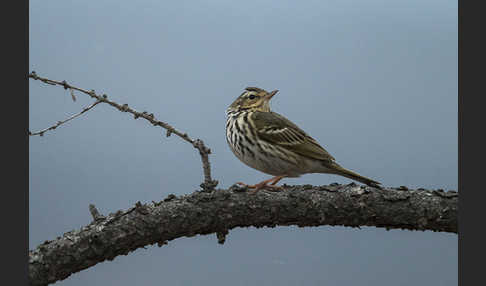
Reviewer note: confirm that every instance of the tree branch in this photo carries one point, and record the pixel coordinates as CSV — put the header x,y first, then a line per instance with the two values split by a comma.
x,y
208,184
59,123
220,210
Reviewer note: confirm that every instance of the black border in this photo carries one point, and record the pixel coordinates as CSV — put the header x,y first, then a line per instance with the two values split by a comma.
x,y
15,119
471,121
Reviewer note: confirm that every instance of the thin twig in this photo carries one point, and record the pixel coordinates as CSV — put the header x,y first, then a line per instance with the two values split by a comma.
x,y
95,213
208,183
41,132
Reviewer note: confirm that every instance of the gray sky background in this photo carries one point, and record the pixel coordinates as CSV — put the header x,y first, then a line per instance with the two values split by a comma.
x,y
375,82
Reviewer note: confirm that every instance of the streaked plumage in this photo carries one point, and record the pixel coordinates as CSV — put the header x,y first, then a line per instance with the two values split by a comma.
x,y
272,144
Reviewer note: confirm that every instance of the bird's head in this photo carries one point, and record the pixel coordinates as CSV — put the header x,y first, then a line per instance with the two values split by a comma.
x,y
253,98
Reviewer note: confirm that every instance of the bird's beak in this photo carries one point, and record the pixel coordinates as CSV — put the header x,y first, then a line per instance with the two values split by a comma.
x,y
271,94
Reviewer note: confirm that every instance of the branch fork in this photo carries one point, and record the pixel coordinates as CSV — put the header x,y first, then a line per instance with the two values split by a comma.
x,y
208,184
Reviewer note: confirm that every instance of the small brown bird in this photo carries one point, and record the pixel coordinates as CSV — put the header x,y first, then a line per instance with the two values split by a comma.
x,y
272,144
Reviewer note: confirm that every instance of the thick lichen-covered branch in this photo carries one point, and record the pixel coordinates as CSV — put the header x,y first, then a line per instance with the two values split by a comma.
x,y
217,211
204,151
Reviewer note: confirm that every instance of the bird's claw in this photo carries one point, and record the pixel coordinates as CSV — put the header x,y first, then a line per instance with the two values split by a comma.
x,y
260,186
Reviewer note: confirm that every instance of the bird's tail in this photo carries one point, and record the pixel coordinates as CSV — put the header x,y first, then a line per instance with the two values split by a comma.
x,y
338,170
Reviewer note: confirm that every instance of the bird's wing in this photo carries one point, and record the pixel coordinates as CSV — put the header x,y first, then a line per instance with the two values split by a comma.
x,y
276,129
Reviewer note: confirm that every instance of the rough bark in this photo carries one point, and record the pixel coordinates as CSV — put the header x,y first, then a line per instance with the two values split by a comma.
x,y
220,210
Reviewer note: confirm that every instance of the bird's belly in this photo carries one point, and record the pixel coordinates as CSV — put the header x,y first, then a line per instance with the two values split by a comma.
x,y
259,155
267,164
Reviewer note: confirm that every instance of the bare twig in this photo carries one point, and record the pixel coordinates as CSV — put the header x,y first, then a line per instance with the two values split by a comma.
x,y
95,213
41,132
203,151
222,210
208,183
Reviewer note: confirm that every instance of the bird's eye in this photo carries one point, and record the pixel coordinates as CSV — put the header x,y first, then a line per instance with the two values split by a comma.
x,y
252,96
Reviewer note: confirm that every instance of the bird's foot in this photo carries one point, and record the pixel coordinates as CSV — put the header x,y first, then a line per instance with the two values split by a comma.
x,y
257,187
264,185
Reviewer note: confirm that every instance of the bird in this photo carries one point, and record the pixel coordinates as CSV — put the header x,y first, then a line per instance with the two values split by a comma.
x,y
270,143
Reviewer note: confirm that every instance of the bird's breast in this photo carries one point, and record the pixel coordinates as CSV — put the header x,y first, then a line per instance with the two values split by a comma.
x,y
239,135
255,152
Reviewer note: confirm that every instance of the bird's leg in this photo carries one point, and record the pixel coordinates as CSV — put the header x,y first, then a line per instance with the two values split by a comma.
x,y
277,179
264,184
